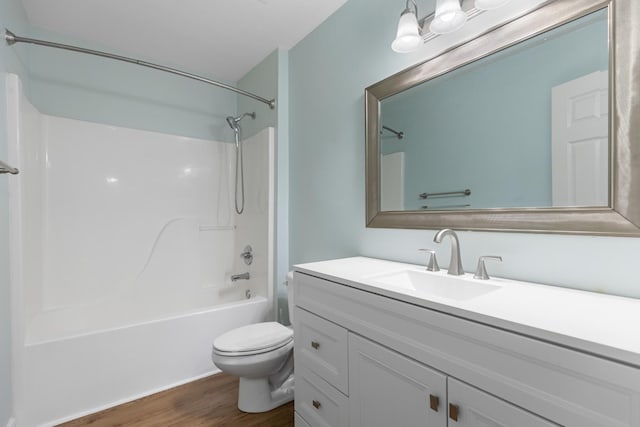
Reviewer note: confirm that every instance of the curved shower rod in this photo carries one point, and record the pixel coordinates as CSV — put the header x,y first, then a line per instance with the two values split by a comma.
x,y
11,39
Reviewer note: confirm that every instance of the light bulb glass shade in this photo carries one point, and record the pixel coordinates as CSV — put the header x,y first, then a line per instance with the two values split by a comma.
x,y
449,17
490,4
408,35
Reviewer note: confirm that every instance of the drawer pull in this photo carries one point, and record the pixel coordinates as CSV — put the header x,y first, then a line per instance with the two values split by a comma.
x,y
453,411
315,344
316,404
434,402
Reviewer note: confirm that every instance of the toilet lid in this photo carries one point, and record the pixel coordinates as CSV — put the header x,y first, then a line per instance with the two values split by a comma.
x,y
258,336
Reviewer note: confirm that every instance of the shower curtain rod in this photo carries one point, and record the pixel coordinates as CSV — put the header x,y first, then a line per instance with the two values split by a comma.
x,y
11,39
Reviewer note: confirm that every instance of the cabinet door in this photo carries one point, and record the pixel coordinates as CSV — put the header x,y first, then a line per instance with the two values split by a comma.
x,y
471,407
388,389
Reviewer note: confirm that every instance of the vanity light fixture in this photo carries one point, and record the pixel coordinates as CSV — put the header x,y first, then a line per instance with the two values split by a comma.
x,y
408,36
449,16
490,4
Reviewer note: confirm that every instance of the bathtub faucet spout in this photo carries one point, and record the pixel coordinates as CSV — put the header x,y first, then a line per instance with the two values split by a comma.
x,y
243,276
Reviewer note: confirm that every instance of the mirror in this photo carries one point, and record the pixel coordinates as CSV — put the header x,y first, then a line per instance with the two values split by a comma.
x,y
524,127
515,130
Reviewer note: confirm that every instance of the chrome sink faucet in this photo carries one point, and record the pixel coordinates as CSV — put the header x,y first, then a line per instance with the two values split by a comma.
x,y
455,264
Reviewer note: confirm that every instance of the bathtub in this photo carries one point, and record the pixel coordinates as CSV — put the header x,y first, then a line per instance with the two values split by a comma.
x,y
120,275
113,366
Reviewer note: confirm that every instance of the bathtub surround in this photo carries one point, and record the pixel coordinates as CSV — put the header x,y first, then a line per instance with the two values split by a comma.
x,y
110,220
327,81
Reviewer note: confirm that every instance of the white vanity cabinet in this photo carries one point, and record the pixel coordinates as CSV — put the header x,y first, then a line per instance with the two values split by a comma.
x,y
364,359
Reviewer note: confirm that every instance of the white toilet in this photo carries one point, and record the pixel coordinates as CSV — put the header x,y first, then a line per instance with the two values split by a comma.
x,y
262,356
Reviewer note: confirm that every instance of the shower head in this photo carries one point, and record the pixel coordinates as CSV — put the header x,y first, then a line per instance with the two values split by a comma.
x,y
233,124
233,121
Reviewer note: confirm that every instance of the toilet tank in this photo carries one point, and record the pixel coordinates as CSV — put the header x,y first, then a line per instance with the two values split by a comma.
x,y
290,303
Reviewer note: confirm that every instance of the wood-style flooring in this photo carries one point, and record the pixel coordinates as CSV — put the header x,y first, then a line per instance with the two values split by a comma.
x,y
211,401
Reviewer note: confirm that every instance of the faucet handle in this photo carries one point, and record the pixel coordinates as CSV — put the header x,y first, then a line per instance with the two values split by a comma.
x,y
247,254
432,263
481,270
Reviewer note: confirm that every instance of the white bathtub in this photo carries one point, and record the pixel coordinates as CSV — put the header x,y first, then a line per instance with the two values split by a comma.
x,y
120,274
118,365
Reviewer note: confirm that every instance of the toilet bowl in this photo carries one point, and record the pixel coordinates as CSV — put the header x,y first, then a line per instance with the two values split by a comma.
x,y
261,354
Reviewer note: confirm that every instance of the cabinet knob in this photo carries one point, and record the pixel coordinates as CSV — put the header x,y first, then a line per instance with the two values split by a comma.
x,y
434,402
315,344
453,411
316,404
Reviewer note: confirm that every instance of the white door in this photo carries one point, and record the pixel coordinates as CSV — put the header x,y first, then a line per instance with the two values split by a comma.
x,y
580,143
387,389
470,407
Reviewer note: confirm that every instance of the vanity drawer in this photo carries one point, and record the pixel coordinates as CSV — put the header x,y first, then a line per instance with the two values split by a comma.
x,y
474,408
321,346
299,421
319,404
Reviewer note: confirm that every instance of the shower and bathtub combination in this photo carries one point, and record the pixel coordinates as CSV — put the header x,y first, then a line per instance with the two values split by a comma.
x,y
123,244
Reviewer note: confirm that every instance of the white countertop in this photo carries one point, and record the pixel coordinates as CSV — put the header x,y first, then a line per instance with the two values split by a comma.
x,y
604,325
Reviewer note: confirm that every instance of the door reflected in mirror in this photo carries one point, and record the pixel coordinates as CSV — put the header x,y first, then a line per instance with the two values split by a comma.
x,y
526,127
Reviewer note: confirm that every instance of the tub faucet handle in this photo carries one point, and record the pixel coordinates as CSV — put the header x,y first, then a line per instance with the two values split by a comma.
x,y
481,270
247,254
432,262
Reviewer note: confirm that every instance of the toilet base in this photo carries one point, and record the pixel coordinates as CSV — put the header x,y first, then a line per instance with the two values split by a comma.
x,y
255,394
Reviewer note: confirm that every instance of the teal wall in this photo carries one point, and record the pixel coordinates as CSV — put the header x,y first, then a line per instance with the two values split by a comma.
x,y
456,124
329,70
95,89
263,81
12,60
269,79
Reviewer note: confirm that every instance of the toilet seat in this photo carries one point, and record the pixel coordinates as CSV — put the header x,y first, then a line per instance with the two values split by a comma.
x,y
253,339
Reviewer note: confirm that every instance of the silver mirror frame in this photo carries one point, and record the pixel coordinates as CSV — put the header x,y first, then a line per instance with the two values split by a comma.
x,y
621,217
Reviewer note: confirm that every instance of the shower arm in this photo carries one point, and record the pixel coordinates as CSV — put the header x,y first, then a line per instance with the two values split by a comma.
x,y
11,39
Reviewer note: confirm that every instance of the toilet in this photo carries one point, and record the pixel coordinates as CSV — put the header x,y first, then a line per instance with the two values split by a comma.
x,y
260,354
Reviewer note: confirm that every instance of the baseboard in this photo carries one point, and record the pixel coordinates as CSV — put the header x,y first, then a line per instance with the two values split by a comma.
x,y
126,400
11,422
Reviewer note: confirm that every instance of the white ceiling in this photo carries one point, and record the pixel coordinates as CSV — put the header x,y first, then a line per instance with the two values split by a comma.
x,y
222,39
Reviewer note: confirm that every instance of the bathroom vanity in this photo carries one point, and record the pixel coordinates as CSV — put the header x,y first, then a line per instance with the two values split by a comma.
x,y
380,343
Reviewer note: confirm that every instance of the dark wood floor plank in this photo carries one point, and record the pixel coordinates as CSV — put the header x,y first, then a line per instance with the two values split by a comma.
x,y
211,401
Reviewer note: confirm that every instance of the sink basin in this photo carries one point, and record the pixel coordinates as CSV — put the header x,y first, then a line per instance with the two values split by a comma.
x,y
440,285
